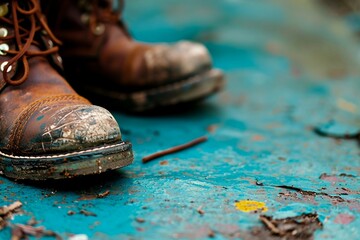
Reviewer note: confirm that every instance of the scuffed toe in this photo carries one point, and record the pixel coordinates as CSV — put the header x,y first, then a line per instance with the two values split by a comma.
x,y
177,61
57,129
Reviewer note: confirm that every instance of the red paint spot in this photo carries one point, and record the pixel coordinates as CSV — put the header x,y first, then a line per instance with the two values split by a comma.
x,y
354,205
257,138
164,163
331,178
344,218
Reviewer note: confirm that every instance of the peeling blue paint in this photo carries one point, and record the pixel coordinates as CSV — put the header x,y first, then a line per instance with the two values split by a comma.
x,y
260,136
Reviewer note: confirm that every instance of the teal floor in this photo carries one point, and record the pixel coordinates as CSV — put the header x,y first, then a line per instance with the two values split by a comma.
x,y
265,130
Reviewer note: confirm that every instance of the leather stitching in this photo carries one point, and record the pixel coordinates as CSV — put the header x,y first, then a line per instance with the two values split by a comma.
x,y
62,155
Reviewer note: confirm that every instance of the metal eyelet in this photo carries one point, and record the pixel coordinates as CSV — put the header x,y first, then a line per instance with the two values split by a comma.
x,y
51,44
2,66
4,47
59,59
85,18
4,9
99,29
3,32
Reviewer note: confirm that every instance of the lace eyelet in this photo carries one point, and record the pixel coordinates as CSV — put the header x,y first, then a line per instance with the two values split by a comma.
x,y
2,66
3,32
4,9
4,47
99,29
85,18
51,44
59,59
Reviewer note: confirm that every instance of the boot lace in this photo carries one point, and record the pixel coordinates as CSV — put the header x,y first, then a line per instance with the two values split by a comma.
x,y
26,20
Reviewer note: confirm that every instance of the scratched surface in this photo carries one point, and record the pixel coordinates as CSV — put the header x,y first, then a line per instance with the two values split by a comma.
x,y
261,135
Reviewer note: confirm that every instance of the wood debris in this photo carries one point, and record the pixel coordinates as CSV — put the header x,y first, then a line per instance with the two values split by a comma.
x,y
298,227
87,213
104,194
21,231
174,149
7,211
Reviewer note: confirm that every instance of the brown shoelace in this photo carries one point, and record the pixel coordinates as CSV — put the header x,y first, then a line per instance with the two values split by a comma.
x,y
20,17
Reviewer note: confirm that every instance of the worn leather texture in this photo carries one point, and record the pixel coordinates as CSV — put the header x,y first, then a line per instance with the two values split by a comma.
x,y
97,46
44,115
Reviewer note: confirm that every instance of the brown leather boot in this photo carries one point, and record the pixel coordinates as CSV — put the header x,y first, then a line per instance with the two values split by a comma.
x,y
102,60
47,130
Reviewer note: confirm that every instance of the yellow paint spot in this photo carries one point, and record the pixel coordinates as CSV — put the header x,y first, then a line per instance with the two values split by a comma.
x,y
250,206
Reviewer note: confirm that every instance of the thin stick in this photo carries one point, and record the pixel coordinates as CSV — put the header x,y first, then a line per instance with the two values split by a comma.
x,y
174,149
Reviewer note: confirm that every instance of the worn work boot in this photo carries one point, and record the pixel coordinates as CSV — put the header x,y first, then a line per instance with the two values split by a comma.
x,y
102,60
47,131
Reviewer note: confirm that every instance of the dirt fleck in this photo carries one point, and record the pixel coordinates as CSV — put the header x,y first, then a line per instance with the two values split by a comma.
x,y
212,128
200,211
257,183
140,220
211,234
165,162
32,222
87,197
347,175
70,213
87,213
104,194
95,224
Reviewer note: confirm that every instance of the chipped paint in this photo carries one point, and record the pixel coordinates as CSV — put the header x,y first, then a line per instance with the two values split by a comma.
x,y
263,98
344,218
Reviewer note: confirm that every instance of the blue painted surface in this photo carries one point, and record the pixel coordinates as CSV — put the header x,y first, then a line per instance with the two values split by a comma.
x,y
261,130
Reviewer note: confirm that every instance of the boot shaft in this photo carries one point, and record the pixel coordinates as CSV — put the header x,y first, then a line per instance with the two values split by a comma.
x,y
64,14
83,25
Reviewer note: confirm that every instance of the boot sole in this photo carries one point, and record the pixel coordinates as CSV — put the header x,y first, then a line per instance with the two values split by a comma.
x,y
188,90
62,166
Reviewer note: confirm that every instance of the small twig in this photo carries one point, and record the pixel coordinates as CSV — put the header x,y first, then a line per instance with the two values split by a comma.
x,y
140,220
104,194
174,149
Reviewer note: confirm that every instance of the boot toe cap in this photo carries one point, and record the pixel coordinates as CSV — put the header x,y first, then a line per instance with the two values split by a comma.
x,y
69,128
177,61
